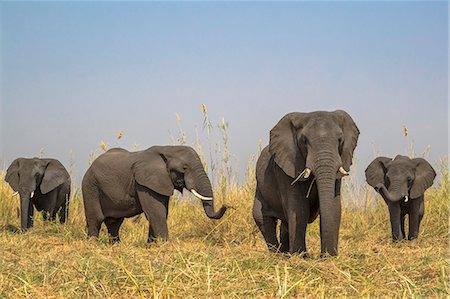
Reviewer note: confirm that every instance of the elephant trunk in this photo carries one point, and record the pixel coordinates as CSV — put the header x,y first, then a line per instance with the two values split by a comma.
x,y
26,209
381,188
204,191
329,204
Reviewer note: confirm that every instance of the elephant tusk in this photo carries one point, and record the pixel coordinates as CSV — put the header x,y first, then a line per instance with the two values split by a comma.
x,y
305,173
32,194
200,196
343,171
15,193
406,198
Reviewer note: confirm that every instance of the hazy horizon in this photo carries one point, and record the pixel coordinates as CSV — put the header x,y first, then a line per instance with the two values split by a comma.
x,y
74,74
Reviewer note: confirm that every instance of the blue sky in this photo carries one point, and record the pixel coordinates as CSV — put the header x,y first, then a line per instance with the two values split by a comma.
x,y
75,73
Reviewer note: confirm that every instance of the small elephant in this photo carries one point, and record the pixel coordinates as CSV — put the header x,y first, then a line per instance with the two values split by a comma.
x,y
42,183
121,184
402,182
299,176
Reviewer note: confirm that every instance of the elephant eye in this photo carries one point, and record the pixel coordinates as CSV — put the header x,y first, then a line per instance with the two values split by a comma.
x,y
410,179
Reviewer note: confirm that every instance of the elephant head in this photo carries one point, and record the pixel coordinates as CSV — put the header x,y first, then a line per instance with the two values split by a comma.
x,y
319,144
400,178
165,168
27,176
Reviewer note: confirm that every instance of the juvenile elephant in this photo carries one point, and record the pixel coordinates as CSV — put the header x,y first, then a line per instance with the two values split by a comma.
x,y
402,182
121,184
43,183
299,176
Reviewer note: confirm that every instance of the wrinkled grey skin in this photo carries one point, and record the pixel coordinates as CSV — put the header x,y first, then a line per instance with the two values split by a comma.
x,y
395,179
121,184
321,141
49,181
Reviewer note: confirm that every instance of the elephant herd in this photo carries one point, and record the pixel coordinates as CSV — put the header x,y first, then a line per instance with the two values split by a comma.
x,y
298,177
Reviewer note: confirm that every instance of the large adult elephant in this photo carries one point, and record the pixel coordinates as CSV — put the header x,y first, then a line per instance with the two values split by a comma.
x,y
41,183
299,176
121,184
402,182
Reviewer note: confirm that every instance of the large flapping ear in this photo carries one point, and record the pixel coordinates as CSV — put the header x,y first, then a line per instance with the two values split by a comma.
x,y
351,134
376,171
425,175
283,144
150,170
12,175
55,174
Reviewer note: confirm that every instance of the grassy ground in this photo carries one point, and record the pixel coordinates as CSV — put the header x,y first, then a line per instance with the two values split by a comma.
x,y
224,258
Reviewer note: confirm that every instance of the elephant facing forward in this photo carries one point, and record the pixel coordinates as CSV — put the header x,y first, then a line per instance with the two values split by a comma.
x,y
299,177
121,184
41,183
402,182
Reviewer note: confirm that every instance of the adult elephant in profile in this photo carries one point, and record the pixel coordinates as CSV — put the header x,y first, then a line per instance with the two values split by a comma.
x,y
41,183
121,184
299,176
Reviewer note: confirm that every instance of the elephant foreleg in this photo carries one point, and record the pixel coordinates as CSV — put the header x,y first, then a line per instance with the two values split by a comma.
x,y
113,225
155,207
395,216
402,223
298,216
267,225
284,237
414,218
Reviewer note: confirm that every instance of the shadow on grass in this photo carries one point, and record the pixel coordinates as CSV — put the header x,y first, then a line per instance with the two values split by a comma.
x,y
11,228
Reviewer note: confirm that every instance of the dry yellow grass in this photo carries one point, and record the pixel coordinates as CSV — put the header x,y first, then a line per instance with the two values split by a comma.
x,y
225,258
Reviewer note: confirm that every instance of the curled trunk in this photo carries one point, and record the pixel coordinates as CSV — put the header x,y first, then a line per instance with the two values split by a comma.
x,y
386,194
203,186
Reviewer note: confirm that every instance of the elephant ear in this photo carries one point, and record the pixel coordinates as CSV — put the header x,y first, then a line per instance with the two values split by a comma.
x,y
283,144
150,170
55,174
351,134
376,171
425,175
12,175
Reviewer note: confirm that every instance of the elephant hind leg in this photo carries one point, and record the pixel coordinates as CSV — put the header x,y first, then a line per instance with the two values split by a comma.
x,y
267,225
92,208
113,225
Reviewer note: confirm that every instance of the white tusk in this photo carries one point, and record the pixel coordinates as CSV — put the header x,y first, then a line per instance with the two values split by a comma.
x,y
32,194
200,196
406,198
343,171
307,173
15,193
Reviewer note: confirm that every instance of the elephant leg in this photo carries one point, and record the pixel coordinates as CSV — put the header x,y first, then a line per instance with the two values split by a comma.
x,y
402,223
63,213
284,237
113,226
298,216
267,225
63,200
31,213
395,216
155,207
415,216
92,208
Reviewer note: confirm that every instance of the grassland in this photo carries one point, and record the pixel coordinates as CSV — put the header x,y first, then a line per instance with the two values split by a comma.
x,y
225,258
